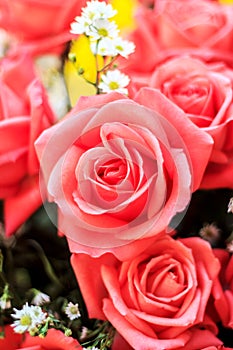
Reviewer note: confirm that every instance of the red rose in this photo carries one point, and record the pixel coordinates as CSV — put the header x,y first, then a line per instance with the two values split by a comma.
x,y
119,169
223,288
181,26
11,340
156,300
24,114
204,92
53,340
40,24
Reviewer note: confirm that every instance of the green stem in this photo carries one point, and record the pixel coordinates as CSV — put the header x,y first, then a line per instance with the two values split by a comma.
x,y
47,266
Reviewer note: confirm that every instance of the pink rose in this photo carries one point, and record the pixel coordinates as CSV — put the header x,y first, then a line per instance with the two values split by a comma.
x,y
223,288
119,169
24,114
156,300
41,25
205,93
54,339
181,26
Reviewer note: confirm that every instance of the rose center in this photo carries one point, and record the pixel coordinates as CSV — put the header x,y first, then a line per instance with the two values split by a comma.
x,y
190,91
113,171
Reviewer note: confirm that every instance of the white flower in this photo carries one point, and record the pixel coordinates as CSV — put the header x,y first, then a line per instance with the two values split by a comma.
x,y
72,311
114,80
98,9
28,318
5,300
102,28
230,206
95,10
104,47
40,298
83,333
5,304
80,26
124,47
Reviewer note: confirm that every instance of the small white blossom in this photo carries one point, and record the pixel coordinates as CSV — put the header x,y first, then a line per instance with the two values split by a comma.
x,y
80,25
5,304
98,9
230,206
229,247
28,318
104,47
72,311
95,10
114,81
210,232
84,333
124,47
40,298
102,28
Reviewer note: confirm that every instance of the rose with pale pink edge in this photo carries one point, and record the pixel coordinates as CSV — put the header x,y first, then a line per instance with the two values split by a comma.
x,y
204,91
24,114
120,169
223,288
156,300
54,339
171,28
47,25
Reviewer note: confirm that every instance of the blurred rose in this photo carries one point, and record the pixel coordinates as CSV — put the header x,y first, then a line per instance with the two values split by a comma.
x,y
120,169
204,92
11,340
24,113
54,340
223,288
44,24
182,26
156,300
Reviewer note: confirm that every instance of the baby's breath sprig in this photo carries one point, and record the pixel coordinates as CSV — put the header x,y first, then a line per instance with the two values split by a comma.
x,y
36,321
100,338
102,32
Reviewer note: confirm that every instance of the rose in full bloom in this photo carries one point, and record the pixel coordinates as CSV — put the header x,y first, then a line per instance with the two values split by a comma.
x,y
223,288
24,114
156,300
173,27
46,24
54,339
204,91
120,169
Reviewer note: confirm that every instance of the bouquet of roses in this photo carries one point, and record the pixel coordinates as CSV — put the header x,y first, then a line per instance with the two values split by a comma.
x,y
116,175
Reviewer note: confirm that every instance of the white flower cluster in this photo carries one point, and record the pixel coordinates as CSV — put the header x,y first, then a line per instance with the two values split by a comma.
x,y
28,318
95,23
